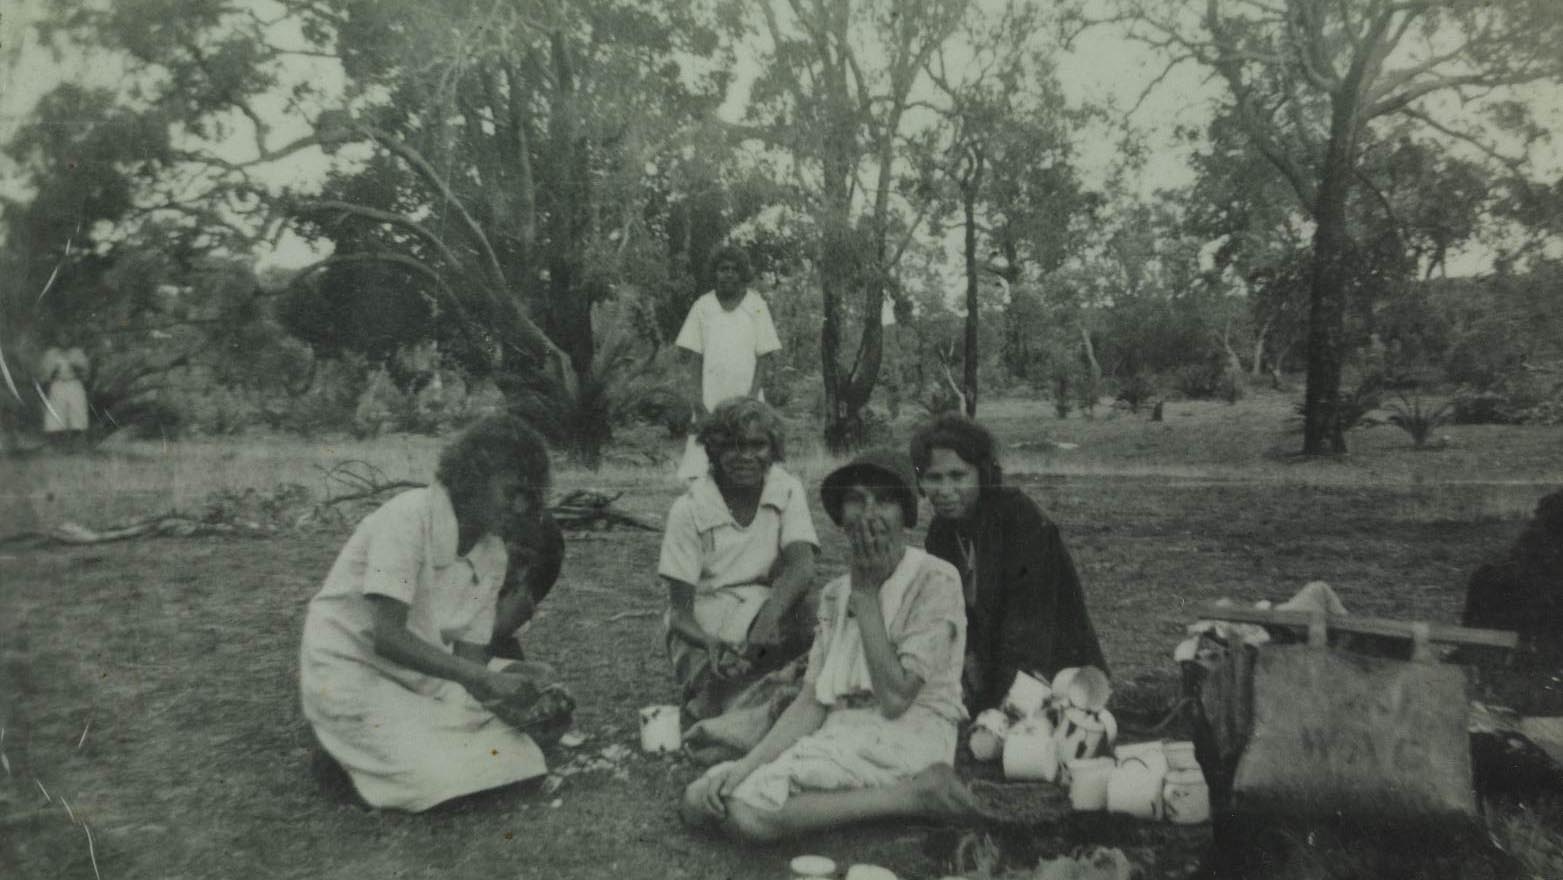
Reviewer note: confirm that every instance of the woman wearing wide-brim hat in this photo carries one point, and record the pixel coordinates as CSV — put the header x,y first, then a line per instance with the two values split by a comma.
x,y
873,732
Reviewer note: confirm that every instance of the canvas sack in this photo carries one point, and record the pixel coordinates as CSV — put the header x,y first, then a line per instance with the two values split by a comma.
x,y
1337,734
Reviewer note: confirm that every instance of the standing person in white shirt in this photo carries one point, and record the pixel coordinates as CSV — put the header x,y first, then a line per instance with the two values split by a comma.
x,y
729,344
65,368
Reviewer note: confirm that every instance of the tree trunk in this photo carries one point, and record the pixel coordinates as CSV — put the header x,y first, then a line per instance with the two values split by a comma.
x,y
969,190
1278,368
842,423
1322,430
1259,350
1090,357
1234,363
569,306
1018,359
859,385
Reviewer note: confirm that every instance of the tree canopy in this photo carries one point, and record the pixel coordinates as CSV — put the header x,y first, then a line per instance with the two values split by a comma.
x,y
1313,84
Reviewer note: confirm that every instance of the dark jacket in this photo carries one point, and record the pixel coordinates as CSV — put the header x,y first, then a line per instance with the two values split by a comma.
x,y
1029,611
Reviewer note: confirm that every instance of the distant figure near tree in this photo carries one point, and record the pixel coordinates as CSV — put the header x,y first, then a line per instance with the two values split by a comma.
x,y
64,369
729,341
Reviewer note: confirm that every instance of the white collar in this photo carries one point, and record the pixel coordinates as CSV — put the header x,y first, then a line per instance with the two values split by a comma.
x,y
711,509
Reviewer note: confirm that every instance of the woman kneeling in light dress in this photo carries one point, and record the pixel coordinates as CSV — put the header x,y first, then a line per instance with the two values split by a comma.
x,y
873,732
394,666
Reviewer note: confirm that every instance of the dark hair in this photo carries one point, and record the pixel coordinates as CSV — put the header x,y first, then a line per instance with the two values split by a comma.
x,y
732,417
536,556
733,255
878,470
494,445
964,437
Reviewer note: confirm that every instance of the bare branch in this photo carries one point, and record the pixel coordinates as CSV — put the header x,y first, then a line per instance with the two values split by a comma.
x,y
1394,103
390,217
1513,163
426,171
1157,81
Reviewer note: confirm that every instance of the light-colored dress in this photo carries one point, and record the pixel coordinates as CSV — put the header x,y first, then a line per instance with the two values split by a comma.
x,y
67,400
857,746
408,740
730,344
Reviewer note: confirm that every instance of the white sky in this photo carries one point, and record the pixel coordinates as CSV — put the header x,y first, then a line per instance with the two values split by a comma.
x,y
1101,66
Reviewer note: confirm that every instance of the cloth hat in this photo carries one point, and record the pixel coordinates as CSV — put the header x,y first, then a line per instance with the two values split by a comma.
x,y
879,468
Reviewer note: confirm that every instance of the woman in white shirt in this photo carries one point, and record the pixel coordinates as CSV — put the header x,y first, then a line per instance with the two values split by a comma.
x,y
873,732
738,561
394,667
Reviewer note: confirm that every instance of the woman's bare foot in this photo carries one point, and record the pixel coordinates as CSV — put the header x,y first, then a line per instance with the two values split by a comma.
x,y
942,793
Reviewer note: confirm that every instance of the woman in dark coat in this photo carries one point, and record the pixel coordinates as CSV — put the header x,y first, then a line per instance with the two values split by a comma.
x,y
1024,605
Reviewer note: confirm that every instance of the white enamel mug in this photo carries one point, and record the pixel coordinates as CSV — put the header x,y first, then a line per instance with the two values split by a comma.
x,y
1186,797
1029,751
1088,783
1135,787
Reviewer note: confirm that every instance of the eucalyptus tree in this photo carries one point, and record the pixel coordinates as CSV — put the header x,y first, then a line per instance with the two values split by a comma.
x,y
1313,82
493,158
1006,156
834,96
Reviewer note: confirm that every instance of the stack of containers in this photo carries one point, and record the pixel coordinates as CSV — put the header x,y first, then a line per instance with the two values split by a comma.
x,y
1062,732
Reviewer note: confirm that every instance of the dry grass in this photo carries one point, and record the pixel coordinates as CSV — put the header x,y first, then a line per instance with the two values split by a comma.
x,y
181,654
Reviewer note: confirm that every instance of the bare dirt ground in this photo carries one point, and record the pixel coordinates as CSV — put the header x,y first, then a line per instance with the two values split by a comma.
x,y
151,685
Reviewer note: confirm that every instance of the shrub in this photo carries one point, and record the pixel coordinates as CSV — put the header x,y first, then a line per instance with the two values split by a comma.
x,y
1364,397
877,430
1088,390
217,411
131,396
1480,408
1136,391
1518,400
1354,405
1410,415
330,403
1199,381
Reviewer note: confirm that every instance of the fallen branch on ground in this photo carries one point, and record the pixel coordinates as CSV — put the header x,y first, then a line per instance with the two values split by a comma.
x,y
169,525
587,508
236,513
